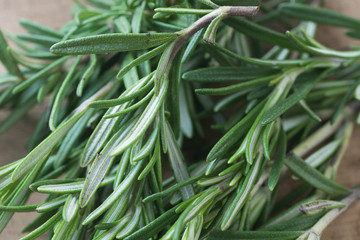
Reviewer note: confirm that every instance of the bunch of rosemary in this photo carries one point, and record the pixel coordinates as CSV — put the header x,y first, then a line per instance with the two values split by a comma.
x,y
128,86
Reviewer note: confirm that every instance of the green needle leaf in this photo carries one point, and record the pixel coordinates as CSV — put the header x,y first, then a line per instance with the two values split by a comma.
x,y
183,11
41,40
52,204
319,15
227,74
173,188
43,72
72,138
72,187
102,165
242,194
278,161
114,42
192,45
283,105
147,56
155,226
70,209
43,228
133,223
321,50
308,110
26,208
324,153
98,138
144,121
124,185
7,59
266,139
313,176
262,62
136,90
18,195
137,18
105,128
118,226
194,209
133,106
343,101
317,206
36,28
148,146
259,32
40,153
164,65
156,157
255,235
300,223
234,135
177,161
235,87
210,34
353,34
89,71
60,95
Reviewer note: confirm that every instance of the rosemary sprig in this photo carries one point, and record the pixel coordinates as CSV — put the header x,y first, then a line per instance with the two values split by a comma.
x,y
129,86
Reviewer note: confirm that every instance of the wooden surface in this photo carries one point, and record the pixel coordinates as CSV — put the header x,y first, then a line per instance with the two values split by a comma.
x,y
54,13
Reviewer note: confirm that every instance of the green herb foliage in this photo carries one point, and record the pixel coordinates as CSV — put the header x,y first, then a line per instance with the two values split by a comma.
x,y
129,90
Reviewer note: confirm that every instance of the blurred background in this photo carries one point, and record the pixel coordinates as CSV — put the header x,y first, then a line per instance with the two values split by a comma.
x,y
54,14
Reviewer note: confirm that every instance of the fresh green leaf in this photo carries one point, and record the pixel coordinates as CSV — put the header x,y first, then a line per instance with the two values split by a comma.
x,y
144,121
101,165
114,42
36,28
124,185
154,227
313,176
288,102
74,186
7,60
103,130
147,56
242,195
40,153
233,135
70,209
314,207
52,204
235,87
261,235
259,32
43,228
262,62
60,95
278,161
177,161
319,15
26,208
43,72
227,74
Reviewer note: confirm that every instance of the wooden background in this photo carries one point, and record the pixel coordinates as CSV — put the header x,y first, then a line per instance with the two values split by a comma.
x,y
54,13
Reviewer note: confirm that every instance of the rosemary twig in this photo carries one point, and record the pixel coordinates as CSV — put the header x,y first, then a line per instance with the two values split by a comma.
x,y
129,85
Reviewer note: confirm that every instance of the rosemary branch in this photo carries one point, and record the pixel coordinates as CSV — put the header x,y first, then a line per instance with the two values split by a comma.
x,y
130,85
